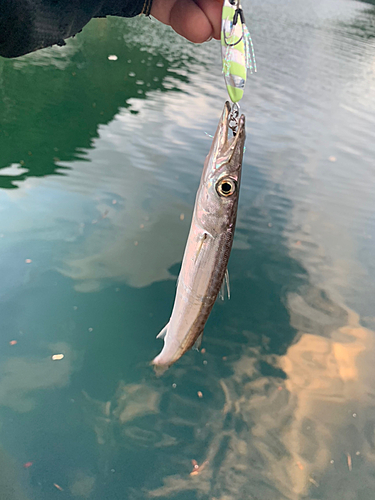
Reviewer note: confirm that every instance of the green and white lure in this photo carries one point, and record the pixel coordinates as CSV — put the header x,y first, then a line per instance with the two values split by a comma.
x,y
236,48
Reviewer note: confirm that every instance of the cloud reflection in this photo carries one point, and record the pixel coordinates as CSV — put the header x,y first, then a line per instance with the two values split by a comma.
x,y
283,438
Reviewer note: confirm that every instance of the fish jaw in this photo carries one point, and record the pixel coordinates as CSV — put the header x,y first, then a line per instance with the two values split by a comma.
x,y
222,148
215,213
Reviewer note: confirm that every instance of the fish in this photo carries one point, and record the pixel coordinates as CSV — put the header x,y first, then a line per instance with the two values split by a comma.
x,y
208,247
237,50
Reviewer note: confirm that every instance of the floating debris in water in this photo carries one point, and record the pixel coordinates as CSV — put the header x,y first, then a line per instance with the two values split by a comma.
x,y
91,329
112,58
13,342
174,386
182,216
350,466
332,158
200,394
58,487
315,483
197,469
57,357
28,261
203,351
28,464
195,466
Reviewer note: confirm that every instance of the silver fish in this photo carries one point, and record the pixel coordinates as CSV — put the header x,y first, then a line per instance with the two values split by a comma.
x,y
209,243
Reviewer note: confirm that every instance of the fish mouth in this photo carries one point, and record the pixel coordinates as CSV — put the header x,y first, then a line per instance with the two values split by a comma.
x,y
226,142
237,127
228,116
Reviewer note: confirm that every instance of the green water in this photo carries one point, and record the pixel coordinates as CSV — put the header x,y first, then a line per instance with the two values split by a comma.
x,y
99,164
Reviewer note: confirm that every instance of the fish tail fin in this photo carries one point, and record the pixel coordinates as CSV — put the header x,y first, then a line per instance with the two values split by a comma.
x,y
159,369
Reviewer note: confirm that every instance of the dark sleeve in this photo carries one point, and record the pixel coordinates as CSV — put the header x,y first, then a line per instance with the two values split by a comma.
x,y
28,25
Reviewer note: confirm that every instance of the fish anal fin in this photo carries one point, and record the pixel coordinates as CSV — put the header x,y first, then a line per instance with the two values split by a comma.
x,y
225,286
163,332
226,279
198,342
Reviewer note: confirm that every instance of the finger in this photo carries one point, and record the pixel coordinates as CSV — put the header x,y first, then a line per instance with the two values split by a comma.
x,y
189,20
161,10
213,11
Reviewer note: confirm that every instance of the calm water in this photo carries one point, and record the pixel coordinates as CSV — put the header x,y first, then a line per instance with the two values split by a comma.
x,y
99,164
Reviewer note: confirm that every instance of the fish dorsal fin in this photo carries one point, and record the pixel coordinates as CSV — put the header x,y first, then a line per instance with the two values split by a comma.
x,y
225,285
198,342
163,332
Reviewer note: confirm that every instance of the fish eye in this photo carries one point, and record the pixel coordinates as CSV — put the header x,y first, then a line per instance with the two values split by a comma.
x,y
226,187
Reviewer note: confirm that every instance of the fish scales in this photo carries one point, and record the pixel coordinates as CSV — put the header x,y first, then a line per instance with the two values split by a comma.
x,y
209,243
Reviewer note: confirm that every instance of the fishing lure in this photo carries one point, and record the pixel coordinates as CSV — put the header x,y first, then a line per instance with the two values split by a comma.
x,y
236,48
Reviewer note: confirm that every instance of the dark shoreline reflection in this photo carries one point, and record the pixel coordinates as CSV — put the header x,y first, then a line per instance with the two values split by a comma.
x,y
53,102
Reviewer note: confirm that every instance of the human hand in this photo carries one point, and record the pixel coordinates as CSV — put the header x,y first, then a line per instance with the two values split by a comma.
x,y
196,20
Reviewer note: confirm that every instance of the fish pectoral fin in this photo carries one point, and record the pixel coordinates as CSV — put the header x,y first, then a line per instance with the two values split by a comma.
x,y
163,332
225,285
198,342
200,245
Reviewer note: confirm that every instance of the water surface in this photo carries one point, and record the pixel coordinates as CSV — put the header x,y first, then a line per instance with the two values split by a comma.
x,y
99,164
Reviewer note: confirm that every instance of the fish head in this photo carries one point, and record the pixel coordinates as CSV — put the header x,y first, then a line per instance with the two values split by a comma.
x,y
218,193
